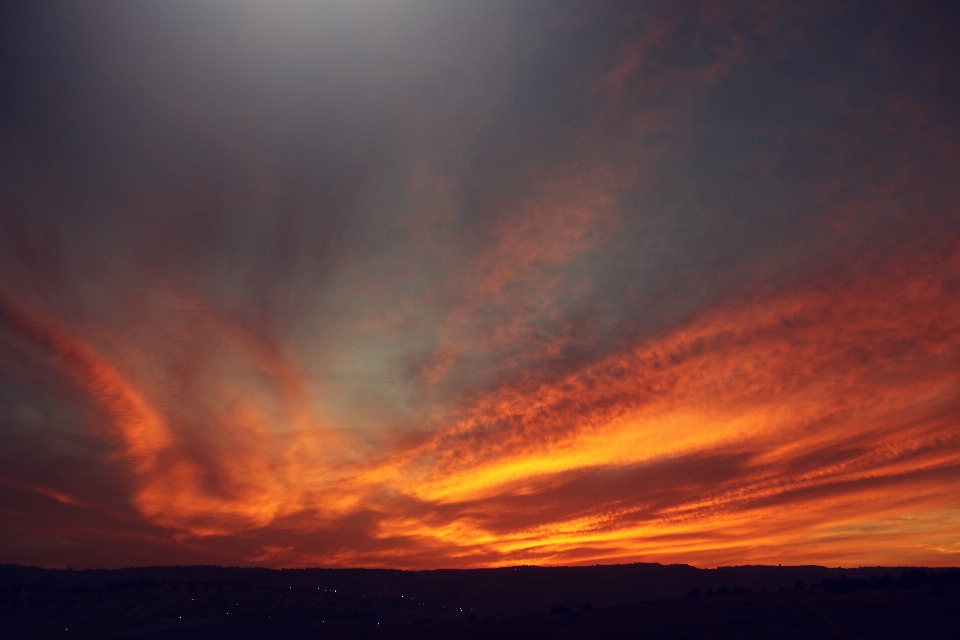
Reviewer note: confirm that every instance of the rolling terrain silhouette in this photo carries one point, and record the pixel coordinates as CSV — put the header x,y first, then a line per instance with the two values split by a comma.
x,y
612,601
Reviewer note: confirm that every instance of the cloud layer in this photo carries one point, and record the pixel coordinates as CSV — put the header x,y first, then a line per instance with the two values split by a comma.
x,y
413,285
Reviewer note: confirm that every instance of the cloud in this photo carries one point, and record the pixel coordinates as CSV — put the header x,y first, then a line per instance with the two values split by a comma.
x,y
823,392
799,408
483,285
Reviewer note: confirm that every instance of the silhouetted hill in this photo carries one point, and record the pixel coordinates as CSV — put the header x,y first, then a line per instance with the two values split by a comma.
x,y
639,600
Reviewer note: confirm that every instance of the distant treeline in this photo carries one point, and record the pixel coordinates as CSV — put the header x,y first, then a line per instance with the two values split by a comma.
x,y
909,579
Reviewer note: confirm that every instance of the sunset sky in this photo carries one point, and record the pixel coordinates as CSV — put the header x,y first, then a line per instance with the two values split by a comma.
x,y
420,284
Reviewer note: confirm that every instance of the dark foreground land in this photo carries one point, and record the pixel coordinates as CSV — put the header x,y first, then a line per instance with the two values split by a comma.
x,y
624,601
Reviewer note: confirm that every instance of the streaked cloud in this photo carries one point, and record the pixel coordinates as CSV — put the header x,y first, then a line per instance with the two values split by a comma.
x,y
419,285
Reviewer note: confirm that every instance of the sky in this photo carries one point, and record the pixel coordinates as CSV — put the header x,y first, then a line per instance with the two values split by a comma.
x,y
422,284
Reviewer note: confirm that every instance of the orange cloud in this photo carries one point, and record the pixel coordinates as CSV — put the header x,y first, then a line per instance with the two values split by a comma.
x,y
814,401
785,426
240,482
